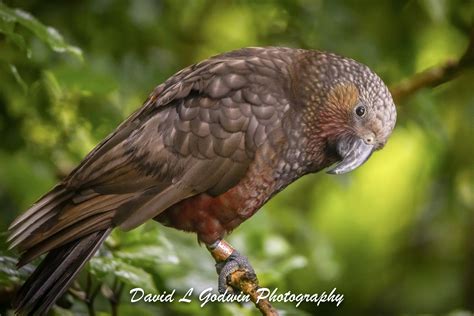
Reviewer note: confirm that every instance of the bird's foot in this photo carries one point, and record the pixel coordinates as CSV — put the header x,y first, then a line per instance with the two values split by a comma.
x,y
226,268
228,261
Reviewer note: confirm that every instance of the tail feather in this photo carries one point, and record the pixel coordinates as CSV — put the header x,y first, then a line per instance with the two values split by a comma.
x,y
60,220
72,216
38,214
87,226
56,194
55,273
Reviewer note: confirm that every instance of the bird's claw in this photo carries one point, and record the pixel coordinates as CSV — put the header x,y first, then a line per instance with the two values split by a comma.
x,y
225,269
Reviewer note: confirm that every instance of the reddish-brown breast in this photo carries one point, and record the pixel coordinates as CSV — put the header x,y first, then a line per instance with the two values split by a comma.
x,y
211,217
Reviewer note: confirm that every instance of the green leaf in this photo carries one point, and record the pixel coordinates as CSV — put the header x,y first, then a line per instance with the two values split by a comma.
x,y
10,275
18,78
7,27
101,267
147,255
134,276
9,17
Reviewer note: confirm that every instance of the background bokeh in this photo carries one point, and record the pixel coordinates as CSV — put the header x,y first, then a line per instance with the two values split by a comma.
x,y
395,236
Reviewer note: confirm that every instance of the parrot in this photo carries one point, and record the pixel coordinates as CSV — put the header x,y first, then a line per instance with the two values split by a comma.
x,y
206,150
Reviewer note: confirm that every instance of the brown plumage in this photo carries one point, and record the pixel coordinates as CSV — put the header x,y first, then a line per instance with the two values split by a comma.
x,y
208,148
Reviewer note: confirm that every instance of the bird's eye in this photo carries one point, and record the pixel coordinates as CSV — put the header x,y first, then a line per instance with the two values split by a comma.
x,y
360,110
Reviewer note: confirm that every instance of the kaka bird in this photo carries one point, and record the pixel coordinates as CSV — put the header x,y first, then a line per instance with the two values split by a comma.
x,y
207,149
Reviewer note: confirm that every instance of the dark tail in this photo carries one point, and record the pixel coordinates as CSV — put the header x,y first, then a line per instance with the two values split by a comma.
x,y
55,273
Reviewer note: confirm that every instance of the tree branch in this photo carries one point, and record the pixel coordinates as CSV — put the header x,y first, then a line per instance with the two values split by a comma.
x,y
241,279
435,76
248,284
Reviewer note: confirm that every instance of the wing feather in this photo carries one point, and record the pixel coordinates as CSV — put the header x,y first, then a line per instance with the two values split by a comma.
x,y
197,132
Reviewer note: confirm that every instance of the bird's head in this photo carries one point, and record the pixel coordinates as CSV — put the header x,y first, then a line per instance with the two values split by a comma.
x,y
347,107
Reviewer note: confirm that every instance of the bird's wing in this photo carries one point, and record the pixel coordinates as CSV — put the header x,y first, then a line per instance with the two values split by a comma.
x,y
198,132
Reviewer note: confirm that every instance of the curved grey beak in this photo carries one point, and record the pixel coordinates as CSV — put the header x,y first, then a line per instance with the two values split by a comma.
x,y
354,152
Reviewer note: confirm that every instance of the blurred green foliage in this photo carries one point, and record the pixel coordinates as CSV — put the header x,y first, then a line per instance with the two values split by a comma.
x,y
395,236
